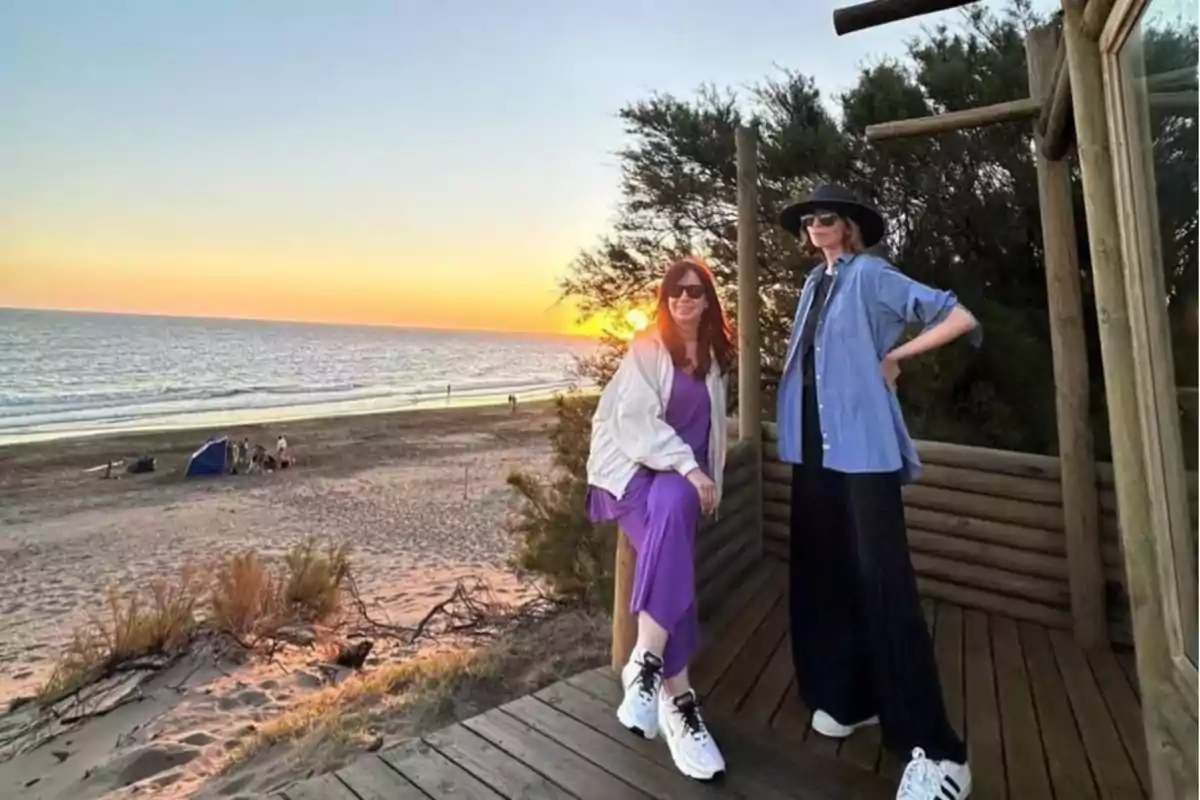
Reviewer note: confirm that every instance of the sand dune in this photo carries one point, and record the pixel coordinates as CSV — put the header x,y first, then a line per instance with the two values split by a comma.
x,y
419,498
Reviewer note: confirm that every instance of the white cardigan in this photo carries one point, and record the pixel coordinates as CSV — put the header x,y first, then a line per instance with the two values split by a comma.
x,y
630,429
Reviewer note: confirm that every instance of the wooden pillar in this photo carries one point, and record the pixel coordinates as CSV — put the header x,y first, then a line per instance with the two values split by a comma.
x,y
624,624
749,339
749,357
1116,346
1081,504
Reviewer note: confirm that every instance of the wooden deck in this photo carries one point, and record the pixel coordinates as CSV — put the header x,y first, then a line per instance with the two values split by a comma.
x,y
1042,720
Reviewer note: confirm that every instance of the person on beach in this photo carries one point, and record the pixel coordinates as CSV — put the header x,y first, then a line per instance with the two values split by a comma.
x,y
861,649
258,459
655,466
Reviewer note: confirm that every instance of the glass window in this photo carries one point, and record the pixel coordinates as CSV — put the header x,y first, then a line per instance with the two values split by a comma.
x,y
1158,65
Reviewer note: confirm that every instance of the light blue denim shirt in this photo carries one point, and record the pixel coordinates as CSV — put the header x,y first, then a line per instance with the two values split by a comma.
x,y
870,304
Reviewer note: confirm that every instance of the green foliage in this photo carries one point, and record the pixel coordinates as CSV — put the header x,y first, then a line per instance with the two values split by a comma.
x,y
556,539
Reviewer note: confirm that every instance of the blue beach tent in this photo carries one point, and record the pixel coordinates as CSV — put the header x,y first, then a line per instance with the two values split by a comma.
x,y
209,460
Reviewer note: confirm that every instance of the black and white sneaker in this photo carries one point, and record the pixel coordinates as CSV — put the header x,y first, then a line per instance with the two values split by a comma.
x,y
924,779
693,750
642,678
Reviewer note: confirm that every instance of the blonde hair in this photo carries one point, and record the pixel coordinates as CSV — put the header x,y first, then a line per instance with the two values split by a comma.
x,y
852,241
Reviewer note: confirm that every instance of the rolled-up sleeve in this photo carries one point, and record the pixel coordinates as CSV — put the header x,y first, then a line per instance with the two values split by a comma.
x,y
915,303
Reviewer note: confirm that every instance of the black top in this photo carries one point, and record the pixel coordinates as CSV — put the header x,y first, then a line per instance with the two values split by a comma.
x,y
808,334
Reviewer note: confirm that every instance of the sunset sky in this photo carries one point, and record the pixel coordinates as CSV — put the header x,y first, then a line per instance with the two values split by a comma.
x,y
418,164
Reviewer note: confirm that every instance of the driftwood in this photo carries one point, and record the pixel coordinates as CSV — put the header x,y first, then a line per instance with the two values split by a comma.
x,y
471,611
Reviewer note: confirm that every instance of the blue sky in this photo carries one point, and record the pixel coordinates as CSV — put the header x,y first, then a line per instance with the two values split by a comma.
x,y
445,150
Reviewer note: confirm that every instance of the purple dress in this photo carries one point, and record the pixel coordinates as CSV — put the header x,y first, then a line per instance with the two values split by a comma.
x,y
659,513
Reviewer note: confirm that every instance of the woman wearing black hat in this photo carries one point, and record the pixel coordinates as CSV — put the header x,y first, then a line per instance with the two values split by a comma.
x,y
862,652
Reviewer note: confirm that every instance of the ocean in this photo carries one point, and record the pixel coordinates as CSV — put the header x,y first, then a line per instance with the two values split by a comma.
x,y
65,374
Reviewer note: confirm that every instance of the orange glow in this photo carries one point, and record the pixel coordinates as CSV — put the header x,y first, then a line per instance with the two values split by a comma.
x,y
501,284
499,297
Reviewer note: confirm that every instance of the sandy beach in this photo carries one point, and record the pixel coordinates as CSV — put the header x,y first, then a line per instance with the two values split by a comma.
x,y
419,497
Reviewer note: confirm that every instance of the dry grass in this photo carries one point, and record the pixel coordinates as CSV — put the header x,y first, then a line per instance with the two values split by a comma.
x,y
244,596
314,580
430,690
154,621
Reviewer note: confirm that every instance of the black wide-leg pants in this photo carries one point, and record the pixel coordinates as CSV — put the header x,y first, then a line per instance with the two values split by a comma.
x,y
859,640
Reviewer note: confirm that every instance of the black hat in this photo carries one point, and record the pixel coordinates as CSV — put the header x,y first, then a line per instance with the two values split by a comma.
x,y
843,201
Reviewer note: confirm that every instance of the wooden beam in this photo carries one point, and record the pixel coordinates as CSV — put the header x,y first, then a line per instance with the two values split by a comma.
x,y
881,12
1013,110
624,625
1060,66
1056,125
1153,651
749,339
1081,506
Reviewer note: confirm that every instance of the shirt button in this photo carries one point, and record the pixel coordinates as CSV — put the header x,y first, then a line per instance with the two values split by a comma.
x,y
825,447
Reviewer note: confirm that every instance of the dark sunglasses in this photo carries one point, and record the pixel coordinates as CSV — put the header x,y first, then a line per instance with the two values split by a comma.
x,y
679,290
824,219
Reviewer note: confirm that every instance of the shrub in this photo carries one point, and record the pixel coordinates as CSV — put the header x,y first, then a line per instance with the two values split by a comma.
x,y
555,537
252,599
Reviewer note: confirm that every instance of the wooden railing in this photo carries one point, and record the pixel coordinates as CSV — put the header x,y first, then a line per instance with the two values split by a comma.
x,y
985,529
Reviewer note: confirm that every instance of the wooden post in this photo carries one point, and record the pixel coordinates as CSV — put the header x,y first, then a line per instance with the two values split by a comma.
x,y
624,624
880,12
1081,505
749,361
1095,14
1116,348
749,341
1009,111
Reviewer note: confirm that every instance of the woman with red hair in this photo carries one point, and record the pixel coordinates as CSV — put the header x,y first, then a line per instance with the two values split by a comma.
x,y
655,466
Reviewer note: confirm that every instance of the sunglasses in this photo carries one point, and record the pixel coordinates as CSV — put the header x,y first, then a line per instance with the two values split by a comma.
x,y
692,291
825,219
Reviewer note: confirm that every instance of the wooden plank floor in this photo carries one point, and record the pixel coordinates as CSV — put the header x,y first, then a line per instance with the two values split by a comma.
x,y
1043,720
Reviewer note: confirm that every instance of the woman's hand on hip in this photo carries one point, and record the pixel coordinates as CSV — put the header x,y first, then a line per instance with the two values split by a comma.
x,y
706,489
890,368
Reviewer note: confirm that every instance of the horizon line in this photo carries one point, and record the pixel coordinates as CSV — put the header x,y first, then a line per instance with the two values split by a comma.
x,y
323,323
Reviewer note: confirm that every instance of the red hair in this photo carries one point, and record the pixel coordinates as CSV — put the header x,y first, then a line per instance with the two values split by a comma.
x,y
715,339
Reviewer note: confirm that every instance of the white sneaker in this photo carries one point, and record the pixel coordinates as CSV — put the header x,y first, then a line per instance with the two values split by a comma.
x,y
693,750
642,678
934,780
826,725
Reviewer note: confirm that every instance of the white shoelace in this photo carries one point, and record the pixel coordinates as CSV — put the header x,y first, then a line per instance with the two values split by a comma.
x,y
921,777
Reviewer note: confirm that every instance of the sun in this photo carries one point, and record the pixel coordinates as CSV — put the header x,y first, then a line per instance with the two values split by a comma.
x,y
637,319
